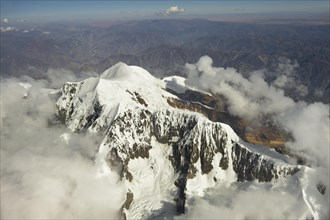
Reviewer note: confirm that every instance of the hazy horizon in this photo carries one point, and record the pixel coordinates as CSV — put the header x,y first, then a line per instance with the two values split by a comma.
x,y
47,11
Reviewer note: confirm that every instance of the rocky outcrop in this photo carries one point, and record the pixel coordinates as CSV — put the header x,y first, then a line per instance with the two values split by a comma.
x,y
252,166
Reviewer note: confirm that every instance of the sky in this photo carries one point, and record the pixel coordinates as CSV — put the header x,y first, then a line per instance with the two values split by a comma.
x,y
60,9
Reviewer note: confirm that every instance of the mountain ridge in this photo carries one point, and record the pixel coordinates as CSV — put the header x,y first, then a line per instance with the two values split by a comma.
x,y
156,147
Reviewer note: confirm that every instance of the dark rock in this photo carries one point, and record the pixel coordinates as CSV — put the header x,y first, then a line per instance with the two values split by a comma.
x,y
321,188
181,195
279,150
250,166
224,162
129,199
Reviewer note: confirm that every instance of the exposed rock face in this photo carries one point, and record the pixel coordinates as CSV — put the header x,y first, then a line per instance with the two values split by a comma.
x,y
159,148
250,166
70,101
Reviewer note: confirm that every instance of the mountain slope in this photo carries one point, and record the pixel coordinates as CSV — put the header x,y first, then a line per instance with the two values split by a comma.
x,y
163,154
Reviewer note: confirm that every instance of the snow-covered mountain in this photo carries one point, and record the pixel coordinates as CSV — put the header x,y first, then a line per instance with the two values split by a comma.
x,y
163,154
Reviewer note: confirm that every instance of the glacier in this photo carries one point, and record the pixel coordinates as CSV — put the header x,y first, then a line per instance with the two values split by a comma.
x,y
168,155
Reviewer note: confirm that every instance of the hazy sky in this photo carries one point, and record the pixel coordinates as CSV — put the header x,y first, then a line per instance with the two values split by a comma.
x,y
146,9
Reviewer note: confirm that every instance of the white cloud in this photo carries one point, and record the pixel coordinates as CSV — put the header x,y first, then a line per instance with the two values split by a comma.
x,y
5,20
249,200
249,98
173,10
310,127
43,176
253,97
6,29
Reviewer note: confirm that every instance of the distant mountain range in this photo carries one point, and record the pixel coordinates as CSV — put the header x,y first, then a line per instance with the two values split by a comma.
x,y
164,46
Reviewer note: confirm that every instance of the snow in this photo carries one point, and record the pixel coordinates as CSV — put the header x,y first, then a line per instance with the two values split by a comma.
x,y
118,89
121,82
317,203
87,86
124,89
123,72
152,182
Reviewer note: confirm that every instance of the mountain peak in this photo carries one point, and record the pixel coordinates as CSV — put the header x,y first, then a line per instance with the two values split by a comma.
x,y
122,72
159,148
118,89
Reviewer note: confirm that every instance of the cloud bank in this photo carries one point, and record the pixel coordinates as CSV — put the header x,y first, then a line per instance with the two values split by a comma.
x,y
252,98
46,171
